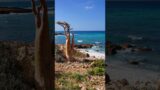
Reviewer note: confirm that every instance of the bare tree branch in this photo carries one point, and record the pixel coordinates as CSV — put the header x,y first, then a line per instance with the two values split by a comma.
x,y
65,25
34,7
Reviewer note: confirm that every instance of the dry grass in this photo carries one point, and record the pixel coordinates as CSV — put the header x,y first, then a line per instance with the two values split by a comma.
x,y
75,76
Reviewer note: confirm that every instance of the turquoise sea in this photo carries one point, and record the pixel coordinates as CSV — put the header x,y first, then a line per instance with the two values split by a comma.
x,y
86,37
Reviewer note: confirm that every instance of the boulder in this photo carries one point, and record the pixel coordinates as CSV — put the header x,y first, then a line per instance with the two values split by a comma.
x,y
133,62
143,49
107,78
87,55
127,45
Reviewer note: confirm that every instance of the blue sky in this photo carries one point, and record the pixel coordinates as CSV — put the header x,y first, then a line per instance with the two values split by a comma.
x,y
81,14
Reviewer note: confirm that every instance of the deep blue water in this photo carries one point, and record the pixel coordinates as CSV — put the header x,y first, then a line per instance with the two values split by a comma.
x,y
22,4
20,27
141,22
86,37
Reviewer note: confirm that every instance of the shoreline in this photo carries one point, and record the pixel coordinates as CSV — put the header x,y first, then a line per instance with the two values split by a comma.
x,y
93,54
118,70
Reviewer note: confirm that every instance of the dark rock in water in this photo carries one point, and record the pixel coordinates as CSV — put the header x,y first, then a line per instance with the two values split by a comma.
x,y
112,48
84,46
133,62
143,49
97,50
117,47
87,55
111,51
132,50
127,45
8,10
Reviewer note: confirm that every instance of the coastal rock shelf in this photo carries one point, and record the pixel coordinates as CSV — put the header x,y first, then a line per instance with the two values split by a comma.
x,y
8,10
113,48
83,46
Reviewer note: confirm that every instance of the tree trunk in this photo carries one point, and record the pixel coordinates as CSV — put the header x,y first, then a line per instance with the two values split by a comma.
x,y
44,64
72,41
68,46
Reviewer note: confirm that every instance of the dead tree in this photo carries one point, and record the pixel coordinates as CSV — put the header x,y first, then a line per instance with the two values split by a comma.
x,y
44,64
67,29
72,41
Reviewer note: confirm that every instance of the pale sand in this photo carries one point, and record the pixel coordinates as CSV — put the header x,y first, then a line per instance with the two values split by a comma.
x,y
118,70
93,54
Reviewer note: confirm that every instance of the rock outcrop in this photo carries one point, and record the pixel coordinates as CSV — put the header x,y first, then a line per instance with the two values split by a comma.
x,y
112,49
83,46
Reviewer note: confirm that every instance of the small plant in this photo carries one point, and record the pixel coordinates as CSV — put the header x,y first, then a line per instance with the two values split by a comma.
x,y
72,86
96,71
97,68
68,85
78,77
69,81
78,54
98,63
63,82
90,88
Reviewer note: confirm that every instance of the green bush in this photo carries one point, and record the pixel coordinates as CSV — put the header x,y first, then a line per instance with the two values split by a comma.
x,y
96,71
78,54
78,77
98,63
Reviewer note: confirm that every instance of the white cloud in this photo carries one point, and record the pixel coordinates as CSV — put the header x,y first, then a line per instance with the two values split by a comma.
x,y
89,7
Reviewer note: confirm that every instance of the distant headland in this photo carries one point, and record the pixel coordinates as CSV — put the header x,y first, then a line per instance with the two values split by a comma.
x,y
8,10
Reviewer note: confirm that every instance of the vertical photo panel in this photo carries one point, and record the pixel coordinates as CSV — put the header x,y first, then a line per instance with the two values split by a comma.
x,y
80,44
26,59
133,51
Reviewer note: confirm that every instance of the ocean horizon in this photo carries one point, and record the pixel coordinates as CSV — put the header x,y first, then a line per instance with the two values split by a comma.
x,y
85,37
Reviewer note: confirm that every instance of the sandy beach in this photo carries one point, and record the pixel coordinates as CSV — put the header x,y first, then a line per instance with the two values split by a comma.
x,y
117,70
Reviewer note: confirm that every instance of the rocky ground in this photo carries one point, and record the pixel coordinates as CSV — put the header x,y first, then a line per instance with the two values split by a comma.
x,y
16,66
123,84
80,74
17,69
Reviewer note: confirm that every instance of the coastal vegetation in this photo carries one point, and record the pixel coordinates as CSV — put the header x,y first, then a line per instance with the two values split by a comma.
x,y
82,73
77,76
